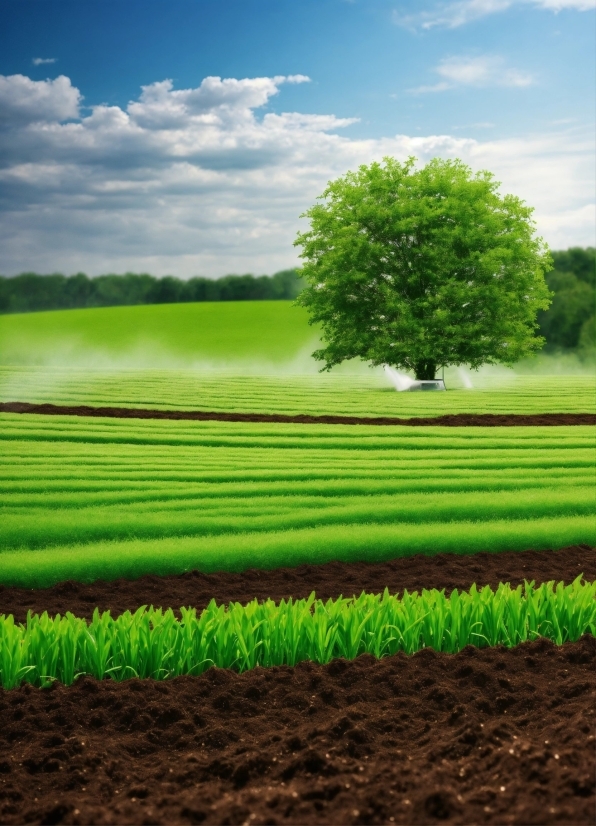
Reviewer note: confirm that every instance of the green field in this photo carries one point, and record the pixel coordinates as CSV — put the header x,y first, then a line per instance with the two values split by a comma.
x,y
102,498
320,394
221,332
236,356
324,394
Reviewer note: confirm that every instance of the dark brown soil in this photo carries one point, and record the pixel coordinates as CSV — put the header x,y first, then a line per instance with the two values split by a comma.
x,y
450,420
447,571
493,736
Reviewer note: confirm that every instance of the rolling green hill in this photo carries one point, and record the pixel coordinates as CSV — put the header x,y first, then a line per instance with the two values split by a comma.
x,y
271,332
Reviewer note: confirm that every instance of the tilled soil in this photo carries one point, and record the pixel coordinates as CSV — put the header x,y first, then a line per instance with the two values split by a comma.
x,y
330,580
484,736
449,420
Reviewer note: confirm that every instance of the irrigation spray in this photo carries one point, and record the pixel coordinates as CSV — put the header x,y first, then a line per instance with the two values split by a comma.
x,y
402,382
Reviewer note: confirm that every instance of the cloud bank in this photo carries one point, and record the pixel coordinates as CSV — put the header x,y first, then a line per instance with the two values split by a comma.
x,y
207,181
452,15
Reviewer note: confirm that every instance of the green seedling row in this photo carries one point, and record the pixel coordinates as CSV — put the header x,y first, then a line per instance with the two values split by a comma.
x,y
152,643
402,439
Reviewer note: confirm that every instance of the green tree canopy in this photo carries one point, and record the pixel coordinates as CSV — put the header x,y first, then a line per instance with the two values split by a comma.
x,y
580,261
419,268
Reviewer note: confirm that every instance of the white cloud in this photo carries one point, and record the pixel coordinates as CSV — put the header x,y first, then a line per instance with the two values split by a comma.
x,y
483,124
559,5
451,15
197,181
23,100
41,61
215,100
482,70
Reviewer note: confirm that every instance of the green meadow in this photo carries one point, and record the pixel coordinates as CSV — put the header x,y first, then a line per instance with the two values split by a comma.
x,y
236,356
292,393
251,356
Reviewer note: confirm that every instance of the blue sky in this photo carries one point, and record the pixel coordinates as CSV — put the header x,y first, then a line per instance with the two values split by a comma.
x,y
98,175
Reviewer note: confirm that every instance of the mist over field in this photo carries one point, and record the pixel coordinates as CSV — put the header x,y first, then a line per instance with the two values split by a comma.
x,y
242,338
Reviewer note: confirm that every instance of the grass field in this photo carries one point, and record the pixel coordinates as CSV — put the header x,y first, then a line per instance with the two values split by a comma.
x,y
325,394
236,356
101,498
92,499
271,332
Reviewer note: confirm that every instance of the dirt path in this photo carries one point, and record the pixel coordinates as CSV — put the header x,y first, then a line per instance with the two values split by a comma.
x,y
330,580
502,736
450,420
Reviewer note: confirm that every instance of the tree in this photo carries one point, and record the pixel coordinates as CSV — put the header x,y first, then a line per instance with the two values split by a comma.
x,y
419,268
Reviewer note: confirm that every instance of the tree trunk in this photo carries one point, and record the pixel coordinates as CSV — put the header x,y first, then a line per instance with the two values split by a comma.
x,y
425,370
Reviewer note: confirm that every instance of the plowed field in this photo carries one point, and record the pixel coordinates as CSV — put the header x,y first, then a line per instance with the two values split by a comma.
x,y
483,736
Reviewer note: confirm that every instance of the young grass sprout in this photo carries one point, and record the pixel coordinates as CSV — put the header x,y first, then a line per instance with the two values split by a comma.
x,y
153,643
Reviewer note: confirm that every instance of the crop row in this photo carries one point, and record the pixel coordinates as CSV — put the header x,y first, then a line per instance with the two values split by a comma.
x,y
355,395
155,644
236,552
46,527
97,498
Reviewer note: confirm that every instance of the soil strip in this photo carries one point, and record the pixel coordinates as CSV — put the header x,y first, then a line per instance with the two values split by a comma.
x,y
449,420
503,736
330,580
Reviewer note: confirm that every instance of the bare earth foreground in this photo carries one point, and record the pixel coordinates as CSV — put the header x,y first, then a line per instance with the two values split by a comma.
x,y
484,736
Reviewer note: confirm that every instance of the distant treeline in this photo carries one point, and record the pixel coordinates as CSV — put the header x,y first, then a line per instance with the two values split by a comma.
x,y
567,325
29,291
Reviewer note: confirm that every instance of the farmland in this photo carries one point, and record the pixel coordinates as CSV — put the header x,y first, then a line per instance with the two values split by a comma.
x,y
104,498
236,356
225,528
222,332
294,393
